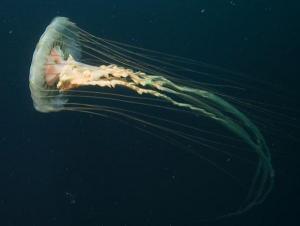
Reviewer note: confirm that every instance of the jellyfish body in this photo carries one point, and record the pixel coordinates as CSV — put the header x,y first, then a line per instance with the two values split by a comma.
x,y
57,71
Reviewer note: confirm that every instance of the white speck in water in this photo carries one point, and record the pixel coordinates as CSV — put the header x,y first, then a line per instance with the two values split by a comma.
x,y
232,3
268,9
202,10
10,32
71,198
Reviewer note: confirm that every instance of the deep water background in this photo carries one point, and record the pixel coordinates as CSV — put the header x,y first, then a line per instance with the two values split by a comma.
x,y
70,169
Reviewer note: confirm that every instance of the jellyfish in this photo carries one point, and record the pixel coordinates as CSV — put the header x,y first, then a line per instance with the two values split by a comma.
x,y
73,70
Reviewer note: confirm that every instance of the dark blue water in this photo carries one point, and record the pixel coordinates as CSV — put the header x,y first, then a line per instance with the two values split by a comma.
x,y
70,169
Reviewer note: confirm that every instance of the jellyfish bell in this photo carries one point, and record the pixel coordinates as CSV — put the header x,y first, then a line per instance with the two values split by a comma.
x,y
56,44
58,73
